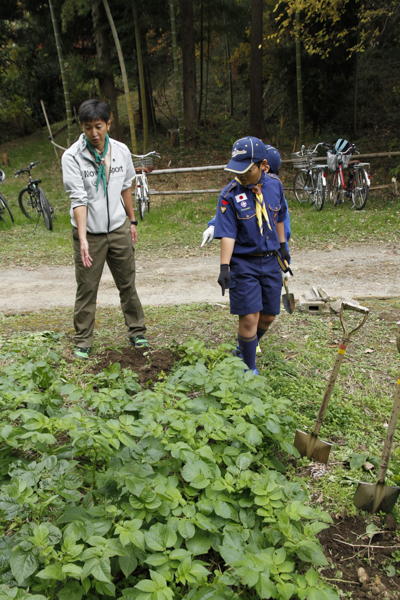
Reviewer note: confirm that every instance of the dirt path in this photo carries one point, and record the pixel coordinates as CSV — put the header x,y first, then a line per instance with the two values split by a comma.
x,y
356,272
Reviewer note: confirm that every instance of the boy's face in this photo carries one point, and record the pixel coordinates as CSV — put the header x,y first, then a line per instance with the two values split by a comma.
x,y
252,176
96,132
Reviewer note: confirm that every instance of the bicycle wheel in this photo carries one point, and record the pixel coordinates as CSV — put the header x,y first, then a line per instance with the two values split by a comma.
x,y
302,186
336,189
361,189
320,191
46,210
4,209
27,203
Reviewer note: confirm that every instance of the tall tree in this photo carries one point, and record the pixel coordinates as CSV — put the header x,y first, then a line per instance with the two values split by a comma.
x,y
257,123
299,81
177,82
141,77
105,72
124,75
189,65
63,75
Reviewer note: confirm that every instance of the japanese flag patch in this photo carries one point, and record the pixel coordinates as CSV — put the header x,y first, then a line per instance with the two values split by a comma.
x,y
240,197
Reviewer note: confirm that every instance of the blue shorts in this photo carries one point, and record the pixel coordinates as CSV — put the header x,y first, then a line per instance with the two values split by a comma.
x,y
256,285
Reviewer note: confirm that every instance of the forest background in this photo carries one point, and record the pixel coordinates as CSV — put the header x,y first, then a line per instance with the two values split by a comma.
x,y
245,66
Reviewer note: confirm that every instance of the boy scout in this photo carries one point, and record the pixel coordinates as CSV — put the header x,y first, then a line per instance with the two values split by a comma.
x,y
250,215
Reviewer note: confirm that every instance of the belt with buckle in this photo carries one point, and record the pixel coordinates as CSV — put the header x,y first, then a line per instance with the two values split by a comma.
x,y
263,254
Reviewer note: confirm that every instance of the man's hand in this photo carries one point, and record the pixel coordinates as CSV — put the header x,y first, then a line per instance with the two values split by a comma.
x,y
284,252
133,234
224,278
208,235
85,256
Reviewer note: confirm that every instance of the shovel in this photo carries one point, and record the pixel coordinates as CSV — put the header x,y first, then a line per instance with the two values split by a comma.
x,y
287,298
374,497
310,445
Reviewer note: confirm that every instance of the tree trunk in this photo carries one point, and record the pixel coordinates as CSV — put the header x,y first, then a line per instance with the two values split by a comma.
x,y
124,75
189,65
141,78
228,61
177,83
105,73
257,124
147,82
63,75
201,62
299,82
208,62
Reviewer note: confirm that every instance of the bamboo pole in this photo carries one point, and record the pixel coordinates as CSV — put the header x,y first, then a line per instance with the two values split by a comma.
x,y
141,77
124,75
63,74
48,127
177,82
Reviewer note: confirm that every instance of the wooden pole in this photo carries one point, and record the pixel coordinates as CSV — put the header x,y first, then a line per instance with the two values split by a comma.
x,y
48,127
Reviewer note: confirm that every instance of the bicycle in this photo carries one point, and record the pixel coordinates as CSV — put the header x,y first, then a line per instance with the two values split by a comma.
x,y
143,164
309,184
32,198
4,208
358,181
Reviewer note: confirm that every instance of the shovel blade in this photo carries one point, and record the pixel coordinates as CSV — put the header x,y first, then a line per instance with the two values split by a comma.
x,y
376,497
287,305
312,447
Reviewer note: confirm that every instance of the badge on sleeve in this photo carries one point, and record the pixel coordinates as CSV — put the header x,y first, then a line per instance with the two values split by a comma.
x,y
241,197
223,209
225,202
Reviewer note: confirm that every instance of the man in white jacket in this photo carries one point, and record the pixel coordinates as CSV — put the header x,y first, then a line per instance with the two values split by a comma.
x,y
98,174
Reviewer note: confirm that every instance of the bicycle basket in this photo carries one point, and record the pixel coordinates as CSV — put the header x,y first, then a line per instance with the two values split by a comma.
x,y
346,158
141,163
331,161
305,159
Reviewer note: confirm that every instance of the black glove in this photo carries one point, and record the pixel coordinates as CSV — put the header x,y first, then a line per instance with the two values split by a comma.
x,y
284,253
224,278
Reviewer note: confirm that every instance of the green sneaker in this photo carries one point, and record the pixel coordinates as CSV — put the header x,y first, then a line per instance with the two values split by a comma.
x,y
139,341
81,353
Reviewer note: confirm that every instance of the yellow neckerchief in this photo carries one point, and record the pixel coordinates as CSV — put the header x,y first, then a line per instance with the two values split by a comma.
x,y
261,210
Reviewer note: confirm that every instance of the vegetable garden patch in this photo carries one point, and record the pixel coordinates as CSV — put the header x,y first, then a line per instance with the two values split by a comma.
x,y
148,364
183,491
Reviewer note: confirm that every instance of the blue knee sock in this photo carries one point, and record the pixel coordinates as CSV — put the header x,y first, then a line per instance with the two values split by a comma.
x,y
260,333
248,348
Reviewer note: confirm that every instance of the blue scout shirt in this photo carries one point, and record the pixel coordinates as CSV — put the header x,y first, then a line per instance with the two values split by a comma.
x,y
236,216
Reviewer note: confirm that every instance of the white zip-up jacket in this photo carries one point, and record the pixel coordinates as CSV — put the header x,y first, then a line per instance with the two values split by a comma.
x,y
104,212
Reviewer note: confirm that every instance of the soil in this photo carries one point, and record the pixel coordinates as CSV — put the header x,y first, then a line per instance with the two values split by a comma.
x,y
359,271
148,364
348,549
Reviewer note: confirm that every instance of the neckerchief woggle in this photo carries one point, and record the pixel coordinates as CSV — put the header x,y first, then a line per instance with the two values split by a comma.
x,y
261,210
100,160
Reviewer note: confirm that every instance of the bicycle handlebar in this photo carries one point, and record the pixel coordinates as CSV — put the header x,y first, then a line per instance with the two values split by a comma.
x,y
152,153
28,168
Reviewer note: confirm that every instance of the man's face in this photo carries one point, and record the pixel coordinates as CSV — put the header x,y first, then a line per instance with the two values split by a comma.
x,y
252,176
96,132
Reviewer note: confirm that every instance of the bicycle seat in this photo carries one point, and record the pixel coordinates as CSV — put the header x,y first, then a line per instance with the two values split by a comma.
x,y
36,181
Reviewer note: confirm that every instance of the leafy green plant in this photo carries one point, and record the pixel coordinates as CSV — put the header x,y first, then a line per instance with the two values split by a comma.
x,y
180,490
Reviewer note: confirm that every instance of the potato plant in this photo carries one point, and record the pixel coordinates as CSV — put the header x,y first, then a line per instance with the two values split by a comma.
x,y
178,492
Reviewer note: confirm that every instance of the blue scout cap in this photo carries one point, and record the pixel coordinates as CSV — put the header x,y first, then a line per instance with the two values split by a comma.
x,y
273,158
245,153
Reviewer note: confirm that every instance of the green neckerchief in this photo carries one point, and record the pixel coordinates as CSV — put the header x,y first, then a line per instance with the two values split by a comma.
x,y
100,160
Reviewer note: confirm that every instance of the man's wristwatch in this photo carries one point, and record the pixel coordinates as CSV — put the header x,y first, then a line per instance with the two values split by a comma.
x,y
134,222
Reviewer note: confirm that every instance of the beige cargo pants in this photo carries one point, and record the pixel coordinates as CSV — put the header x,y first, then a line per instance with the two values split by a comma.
x,y
117,250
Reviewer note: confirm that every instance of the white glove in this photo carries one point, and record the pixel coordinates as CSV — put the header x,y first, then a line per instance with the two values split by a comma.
x,y
208,235
285,276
